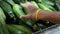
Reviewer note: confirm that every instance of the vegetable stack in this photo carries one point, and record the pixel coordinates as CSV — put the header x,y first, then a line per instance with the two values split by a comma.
x,y
12,10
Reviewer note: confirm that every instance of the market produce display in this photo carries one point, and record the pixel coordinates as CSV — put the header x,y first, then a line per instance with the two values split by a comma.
x,y
11,10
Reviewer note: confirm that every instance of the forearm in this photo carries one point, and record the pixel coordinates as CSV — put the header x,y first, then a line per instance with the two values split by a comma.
x,y
52,16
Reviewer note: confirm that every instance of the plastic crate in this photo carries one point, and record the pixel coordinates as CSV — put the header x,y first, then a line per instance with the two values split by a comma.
x,y
47,29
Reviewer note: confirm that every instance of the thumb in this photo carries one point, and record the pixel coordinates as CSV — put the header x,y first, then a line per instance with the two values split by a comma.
x,y
25,16
24,5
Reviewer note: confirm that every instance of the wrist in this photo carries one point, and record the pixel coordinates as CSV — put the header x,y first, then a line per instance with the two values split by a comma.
x,y
39,15
35,15
42,15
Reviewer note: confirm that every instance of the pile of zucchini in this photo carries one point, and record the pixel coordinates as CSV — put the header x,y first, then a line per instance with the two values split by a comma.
x,y
11,10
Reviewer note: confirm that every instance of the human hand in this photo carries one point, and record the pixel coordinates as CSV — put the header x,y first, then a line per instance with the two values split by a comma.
x,y
31,10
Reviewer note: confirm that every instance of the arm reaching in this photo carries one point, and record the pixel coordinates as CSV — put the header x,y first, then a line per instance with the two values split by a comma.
x,y
42,15
54,17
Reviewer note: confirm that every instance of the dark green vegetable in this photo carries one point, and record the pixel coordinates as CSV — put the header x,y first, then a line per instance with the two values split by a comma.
x,y
23,1
25,10
20,1
57,7
14,30
57,1
43,7
11,2
47,3
3,25
23,28
2,14
41,26
50,7
7,8
1,30
34,3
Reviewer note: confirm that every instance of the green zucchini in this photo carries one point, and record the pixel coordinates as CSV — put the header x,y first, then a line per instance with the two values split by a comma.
x,y
43,7
25,10
11,2
41,0
57,1
17,1
7,8
20,1
23,28
41,26
50,7
14,30
3,25
1,30
34,3
23,1
38,0
18,10
35,27
47,3
2,14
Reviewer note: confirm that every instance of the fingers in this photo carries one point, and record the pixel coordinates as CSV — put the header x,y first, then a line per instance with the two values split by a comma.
x,y
26,4
25,16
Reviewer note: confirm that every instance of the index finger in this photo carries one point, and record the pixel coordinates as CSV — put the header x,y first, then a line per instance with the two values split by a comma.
x,y
26,4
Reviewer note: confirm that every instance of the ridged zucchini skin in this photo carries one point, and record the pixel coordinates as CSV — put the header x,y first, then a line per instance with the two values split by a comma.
x,y
14,30
3,25
2,13
34,3
23,28
11,2
7,8
43,7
